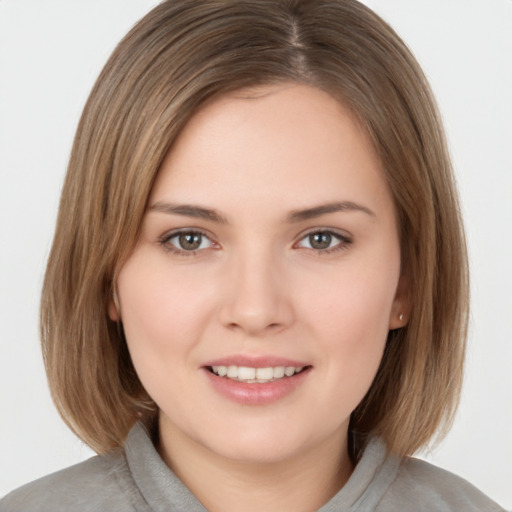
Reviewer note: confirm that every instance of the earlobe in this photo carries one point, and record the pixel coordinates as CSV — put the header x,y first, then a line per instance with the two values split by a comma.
x,y
397,320
112,311
400,310
113,308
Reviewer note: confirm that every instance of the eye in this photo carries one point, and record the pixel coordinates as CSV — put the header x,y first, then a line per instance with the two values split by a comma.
x,y
186,241
324,241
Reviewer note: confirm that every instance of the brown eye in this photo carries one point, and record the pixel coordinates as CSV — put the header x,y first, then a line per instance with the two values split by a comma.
x,y
189,241
325,242
320,240
186,242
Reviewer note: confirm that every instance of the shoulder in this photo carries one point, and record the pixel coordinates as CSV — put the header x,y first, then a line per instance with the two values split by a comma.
x,y
102,483
422,486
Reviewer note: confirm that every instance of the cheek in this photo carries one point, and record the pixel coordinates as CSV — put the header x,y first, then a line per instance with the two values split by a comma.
x,y
352,304
349,316
163,312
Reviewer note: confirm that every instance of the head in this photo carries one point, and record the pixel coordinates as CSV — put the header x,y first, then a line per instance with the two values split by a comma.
x,y
182,57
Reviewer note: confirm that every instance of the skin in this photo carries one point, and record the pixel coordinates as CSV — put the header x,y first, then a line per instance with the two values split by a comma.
x,y
257,286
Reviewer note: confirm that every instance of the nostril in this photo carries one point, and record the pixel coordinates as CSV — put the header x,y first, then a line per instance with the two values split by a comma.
x,y
255,314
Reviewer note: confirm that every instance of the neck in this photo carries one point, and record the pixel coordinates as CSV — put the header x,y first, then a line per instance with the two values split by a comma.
x,y
302,483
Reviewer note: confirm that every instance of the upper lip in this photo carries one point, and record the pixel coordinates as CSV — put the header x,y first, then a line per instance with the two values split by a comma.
x,y
255,361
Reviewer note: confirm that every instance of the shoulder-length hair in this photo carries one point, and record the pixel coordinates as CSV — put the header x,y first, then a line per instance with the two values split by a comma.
x,y
180,55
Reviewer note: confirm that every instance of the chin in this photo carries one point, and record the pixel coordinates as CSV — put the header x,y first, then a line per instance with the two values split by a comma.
x,y
263,443
257,453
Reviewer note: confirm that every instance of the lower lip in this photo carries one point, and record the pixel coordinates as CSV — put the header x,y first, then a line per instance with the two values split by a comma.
x,y
256,393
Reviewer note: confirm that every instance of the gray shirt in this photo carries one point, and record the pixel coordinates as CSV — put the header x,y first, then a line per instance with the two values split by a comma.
x,y
137,479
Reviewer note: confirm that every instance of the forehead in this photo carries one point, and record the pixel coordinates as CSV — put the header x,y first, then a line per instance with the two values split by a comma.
x,y
281,145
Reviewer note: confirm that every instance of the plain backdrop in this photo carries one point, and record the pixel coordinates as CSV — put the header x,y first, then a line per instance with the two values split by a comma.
x,y
50,54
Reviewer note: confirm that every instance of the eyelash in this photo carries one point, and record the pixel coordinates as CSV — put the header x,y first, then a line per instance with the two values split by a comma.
x,y
344,241
165,241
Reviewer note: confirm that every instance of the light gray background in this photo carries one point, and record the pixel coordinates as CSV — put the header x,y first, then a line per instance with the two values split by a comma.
x,y
51,52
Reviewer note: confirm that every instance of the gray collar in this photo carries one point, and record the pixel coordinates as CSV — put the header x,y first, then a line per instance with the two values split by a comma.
x,y
164,491
161,488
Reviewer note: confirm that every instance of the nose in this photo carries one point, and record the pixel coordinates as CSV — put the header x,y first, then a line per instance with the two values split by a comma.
x,y
257,299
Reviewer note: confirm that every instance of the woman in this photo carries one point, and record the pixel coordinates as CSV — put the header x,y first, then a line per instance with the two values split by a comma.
x,y
285,336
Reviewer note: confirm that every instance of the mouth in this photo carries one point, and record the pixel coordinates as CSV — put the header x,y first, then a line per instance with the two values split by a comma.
x,y
252,375
256,380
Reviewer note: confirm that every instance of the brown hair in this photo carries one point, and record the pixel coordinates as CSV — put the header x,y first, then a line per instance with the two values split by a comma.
x,y
182,54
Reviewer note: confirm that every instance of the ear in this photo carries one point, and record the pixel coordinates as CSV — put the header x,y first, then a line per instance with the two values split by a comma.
x,y
401,308
113,307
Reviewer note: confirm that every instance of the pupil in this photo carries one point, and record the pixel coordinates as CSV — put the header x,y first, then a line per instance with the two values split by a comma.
x,y
320,240
190,241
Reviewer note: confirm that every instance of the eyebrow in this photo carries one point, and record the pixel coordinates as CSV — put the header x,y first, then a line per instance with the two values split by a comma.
x,y
294,216
317,211
189,210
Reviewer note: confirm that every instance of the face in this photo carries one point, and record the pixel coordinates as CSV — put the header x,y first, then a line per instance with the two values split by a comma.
x,y
258,300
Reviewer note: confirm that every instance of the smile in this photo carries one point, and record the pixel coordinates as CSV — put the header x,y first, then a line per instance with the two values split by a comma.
x,y
256,380
251,375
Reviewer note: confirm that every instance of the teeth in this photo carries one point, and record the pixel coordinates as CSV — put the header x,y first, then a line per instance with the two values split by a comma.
x,y
247,373
289,371
279,372
256,375
265,373
232,372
